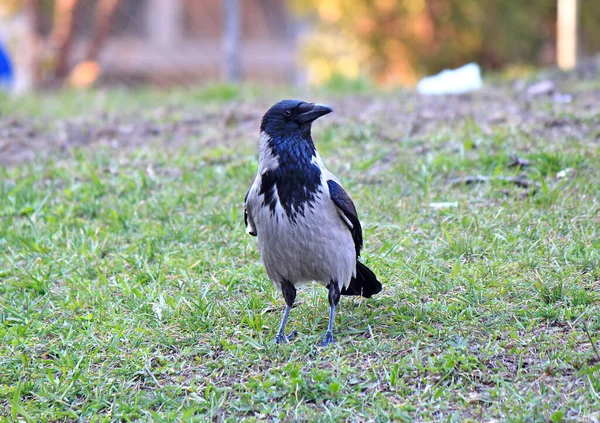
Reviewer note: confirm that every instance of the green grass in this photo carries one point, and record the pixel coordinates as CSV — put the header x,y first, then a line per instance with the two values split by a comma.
x,y
130,291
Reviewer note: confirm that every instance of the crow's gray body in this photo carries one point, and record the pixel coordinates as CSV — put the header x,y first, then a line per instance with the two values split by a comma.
x,y
316,246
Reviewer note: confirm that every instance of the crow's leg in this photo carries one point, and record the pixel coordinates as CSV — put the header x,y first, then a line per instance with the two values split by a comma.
x,y
289,293
334,299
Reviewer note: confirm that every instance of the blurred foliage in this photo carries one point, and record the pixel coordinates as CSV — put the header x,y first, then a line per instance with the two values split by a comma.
x,y
396,41
8,7
339,83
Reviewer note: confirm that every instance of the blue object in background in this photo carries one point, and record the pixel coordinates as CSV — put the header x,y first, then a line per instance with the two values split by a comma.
x,y
6,69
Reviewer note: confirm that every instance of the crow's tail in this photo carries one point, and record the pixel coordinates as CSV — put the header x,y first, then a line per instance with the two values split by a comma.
x,y
365,283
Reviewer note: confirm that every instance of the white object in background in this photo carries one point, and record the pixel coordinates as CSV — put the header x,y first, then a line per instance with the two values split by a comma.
x,y
544,87
566,38
564,173
456,81
444,205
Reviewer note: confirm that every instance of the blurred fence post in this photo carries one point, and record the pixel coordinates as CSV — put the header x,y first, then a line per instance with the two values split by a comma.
x,y
566,29
300,77
164,22
232,68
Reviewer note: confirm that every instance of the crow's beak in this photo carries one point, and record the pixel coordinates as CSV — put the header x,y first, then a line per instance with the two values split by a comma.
x,y
312,111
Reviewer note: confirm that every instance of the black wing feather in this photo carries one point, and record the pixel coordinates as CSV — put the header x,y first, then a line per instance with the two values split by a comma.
x,y
246,212
343,202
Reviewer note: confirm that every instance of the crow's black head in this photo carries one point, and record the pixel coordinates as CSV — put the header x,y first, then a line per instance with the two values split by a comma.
x,y
292,118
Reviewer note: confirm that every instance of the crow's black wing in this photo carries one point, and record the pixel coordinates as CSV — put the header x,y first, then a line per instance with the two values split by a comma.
x,y
251,230
347,211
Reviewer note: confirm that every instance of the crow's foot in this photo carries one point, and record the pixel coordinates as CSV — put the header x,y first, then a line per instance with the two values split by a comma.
x,y
328,339
282,339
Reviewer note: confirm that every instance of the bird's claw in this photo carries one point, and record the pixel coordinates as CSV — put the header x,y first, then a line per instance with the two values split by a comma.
x,y
328,339
282,339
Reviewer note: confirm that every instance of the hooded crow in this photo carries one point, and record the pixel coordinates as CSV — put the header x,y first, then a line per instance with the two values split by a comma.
x,y
306,224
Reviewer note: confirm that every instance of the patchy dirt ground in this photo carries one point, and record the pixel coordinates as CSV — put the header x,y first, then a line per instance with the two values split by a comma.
x,y
563,109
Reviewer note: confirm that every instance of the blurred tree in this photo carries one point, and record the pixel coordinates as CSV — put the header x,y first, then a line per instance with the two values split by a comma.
x,y
65,23
396,41
20,29
105,12
88,71
62,35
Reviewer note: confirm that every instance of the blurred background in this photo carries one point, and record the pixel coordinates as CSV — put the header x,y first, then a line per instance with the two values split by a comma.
x,y
46,44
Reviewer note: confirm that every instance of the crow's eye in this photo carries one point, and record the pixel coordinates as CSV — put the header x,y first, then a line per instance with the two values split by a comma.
x,y
287,113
